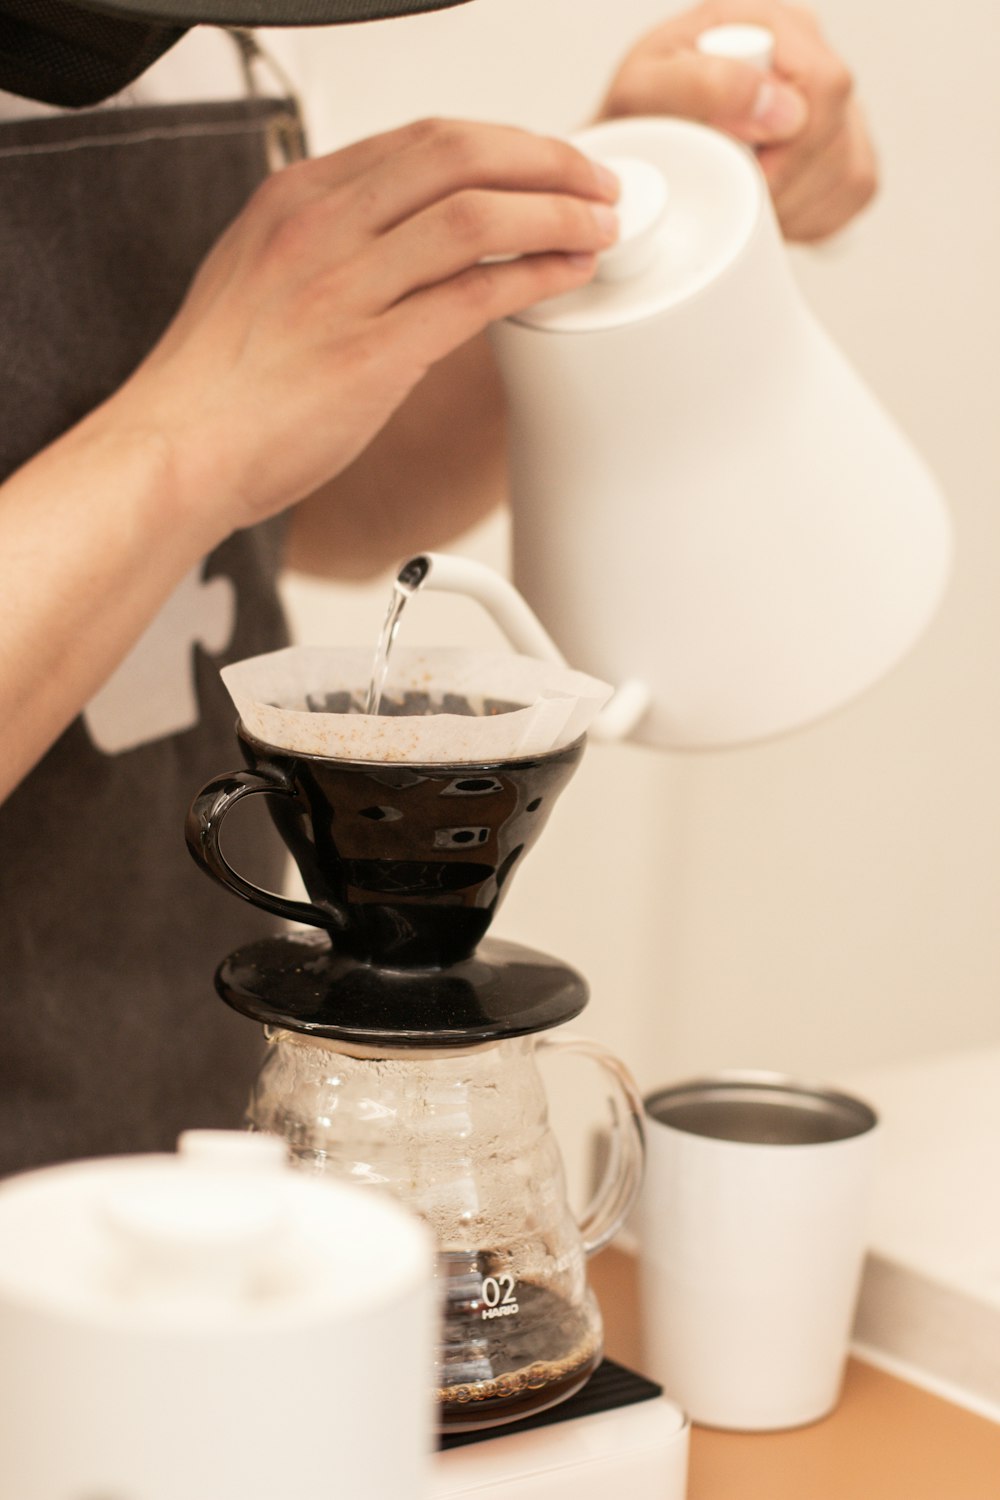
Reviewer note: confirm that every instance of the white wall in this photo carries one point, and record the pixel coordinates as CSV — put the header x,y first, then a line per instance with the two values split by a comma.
x,y
830,901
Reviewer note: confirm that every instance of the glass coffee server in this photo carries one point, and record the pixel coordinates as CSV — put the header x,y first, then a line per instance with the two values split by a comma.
x,y
403,1044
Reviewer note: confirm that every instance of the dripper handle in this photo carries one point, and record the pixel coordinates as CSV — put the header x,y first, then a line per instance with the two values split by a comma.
x,y
610,1206
202,830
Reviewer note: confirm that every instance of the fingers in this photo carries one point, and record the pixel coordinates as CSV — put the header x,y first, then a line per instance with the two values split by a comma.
x,y
841,182
732,96
397,175
345,279
423,203
803,60
456,234
432,322
679,81
802,116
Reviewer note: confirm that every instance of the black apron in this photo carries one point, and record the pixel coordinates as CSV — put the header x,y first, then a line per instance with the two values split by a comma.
x,y
112,1036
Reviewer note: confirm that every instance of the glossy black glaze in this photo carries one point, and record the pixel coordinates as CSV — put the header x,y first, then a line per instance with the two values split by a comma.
x,y
299,983
405,865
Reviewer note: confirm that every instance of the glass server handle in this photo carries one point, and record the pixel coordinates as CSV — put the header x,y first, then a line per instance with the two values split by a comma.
x,y
619,1186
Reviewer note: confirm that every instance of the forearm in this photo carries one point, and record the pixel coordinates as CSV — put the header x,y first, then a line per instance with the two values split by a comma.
x,y
92,540
435,469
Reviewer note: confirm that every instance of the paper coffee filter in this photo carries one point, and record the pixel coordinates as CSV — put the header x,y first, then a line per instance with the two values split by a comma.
x,y
284,698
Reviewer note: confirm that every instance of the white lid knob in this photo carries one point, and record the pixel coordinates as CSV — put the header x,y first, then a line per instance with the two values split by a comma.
x,y
641,206
741,43
208,1229
236,1149
195,1235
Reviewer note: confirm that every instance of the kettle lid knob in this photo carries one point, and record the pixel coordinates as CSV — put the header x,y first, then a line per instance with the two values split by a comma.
x,y
641,206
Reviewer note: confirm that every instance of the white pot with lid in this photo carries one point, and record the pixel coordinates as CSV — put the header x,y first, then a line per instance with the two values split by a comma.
x,y
211,1324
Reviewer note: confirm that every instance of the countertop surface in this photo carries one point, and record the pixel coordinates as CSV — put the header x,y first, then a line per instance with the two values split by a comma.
x,y
887,1439
930,1296
919,1417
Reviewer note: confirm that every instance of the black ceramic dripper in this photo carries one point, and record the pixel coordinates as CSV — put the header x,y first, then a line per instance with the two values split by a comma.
x,y
405,866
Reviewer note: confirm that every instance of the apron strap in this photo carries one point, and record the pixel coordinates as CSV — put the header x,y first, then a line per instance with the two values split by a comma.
x,y
286,137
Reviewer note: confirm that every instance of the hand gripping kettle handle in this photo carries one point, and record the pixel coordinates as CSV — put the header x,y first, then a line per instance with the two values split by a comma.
x,y
202,830
619,1187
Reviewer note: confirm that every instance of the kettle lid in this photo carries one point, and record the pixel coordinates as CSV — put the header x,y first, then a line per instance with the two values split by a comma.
x,y
690,201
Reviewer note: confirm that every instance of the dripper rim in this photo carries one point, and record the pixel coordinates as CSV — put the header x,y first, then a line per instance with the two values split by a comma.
x,y
461,767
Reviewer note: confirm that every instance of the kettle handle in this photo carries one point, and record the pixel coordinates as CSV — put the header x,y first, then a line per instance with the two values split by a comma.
x,y
619,1187
522,627
203,826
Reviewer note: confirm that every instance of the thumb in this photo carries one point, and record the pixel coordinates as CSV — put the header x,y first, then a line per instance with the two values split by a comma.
x,y
778,113
756,107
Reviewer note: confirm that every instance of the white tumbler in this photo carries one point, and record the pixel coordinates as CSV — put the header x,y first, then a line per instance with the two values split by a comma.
x,y
212,1325
752,1229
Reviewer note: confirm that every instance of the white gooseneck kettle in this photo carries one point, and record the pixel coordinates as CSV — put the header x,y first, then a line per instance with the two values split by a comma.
x,y
708,503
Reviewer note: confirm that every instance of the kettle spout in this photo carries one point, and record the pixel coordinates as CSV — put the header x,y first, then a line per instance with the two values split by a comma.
x,y
461,575
521,626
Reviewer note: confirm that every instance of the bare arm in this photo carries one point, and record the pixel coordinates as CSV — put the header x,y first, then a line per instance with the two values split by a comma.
x,y
93,538
314,317
439,466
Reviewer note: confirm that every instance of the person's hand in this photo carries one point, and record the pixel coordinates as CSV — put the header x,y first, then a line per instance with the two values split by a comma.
x,y
337,288
803,118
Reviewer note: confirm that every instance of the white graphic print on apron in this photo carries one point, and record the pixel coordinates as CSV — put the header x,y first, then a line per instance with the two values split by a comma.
x,y
152,694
